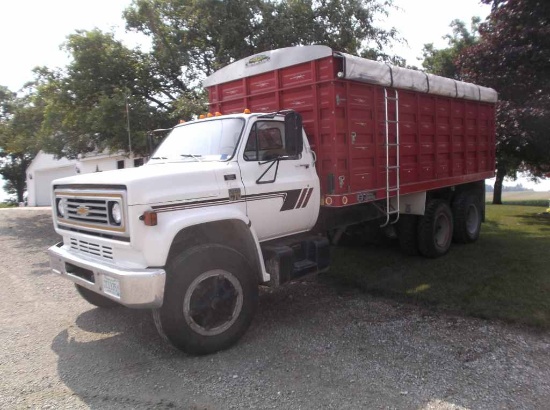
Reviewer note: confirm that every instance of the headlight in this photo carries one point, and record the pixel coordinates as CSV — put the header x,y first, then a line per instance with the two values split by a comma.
x,y
61,207
116,213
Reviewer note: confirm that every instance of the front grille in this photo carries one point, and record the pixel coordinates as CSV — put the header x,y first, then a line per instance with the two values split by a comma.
x,y
88,210
91,211
92,248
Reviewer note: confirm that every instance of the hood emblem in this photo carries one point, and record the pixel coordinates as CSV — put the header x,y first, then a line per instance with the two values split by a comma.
x,y
83,210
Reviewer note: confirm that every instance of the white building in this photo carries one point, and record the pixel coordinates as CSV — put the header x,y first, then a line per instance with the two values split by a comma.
x,y
45,168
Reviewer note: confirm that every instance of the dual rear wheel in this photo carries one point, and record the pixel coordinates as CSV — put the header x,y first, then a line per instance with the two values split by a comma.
x,y
431,235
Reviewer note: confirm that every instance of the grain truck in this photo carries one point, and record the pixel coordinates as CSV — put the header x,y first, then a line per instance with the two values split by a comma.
x,y
299,145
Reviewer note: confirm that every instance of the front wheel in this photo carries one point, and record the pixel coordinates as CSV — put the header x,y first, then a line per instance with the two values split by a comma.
x,y
435,229
210,299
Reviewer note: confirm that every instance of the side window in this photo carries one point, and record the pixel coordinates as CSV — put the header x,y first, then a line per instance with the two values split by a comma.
x,y
266,142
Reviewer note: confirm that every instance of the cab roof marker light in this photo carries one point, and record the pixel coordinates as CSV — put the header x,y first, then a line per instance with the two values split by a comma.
x,y
182,122
246,111
209,115
218,114
202,117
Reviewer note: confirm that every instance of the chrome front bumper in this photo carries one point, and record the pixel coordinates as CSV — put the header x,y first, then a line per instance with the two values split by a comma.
x,y
137,288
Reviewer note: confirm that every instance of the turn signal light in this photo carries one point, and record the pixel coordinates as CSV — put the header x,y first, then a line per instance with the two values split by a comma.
x,y
149,218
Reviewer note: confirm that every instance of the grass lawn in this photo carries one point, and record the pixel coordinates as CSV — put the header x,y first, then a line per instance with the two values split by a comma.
x,y
530,198
504,275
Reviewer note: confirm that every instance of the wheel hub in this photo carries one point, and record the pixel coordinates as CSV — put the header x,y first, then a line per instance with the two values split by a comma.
x,y
213,302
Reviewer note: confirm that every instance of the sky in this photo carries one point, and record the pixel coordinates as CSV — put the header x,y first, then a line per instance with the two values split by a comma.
x,y
33,31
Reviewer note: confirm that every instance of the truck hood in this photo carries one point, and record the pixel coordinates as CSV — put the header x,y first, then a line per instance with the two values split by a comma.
x,y
159,183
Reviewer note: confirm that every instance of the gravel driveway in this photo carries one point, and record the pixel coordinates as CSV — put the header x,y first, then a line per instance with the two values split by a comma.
x,y
312,345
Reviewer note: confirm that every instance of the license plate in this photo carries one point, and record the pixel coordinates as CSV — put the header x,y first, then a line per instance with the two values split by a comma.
x,y
111,286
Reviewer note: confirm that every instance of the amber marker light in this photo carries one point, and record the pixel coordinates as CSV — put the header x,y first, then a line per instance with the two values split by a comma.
x,y
202,117
218,114
149,218
246,111
209,115
182,121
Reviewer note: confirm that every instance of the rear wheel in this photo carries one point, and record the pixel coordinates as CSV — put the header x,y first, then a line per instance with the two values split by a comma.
x,y
95,298
210,299
467,218
435,229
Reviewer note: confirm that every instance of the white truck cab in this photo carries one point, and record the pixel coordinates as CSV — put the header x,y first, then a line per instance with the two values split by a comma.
x,y
182,234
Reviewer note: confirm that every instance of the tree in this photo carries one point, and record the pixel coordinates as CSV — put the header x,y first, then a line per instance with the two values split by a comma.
x,y
444,61
20,120
513,57
86,105
205,35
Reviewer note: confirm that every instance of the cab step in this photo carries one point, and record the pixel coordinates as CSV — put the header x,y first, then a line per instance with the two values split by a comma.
x,y
286,261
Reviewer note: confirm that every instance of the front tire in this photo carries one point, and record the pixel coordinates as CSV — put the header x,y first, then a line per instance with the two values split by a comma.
x,y
435,229
96,299
210,299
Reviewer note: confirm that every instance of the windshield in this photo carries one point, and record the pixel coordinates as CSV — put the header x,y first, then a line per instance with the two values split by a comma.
x,y
213,140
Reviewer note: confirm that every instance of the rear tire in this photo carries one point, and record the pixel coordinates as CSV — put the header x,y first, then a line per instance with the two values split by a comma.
x,y
210,299
435,229
407,234
95,298
467,218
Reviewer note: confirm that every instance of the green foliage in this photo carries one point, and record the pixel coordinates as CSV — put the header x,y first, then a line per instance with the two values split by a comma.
x,y
204,35
20,120
86,105
502,276
444,61
513,57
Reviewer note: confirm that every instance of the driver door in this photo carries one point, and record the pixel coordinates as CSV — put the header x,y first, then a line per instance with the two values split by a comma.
x,y
282,191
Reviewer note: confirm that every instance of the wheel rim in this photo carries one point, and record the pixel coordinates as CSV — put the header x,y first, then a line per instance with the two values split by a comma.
x,y
442,234
213,302
472,220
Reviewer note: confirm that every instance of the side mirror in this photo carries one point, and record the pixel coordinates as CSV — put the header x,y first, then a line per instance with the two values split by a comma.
x,y
151,143
155,138
294,143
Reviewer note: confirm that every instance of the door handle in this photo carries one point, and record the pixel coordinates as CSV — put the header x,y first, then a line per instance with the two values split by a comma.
x,y
306,166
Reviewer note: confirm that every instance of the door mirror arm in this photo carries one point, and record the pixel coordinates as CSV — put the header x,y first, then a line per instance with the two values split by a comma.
x,y
273,162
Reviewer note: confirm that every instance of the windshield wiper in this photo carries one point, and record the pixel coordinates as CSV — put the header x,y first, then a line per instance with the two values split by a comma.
x,y
197,157
159,158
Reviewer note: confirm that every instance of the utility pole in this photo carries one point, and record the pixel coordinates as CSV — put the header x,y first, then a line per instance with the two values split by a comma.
x,y
128,123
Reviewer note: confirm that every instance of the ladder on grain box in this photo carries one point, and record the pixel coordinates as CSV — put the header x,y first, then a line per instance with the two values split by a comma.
x,y
392,189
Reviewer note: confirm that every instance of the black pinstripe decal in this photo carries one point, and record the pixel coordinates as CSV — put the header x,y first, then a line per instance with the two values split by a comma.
x,y
301,199
309,192
292,199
